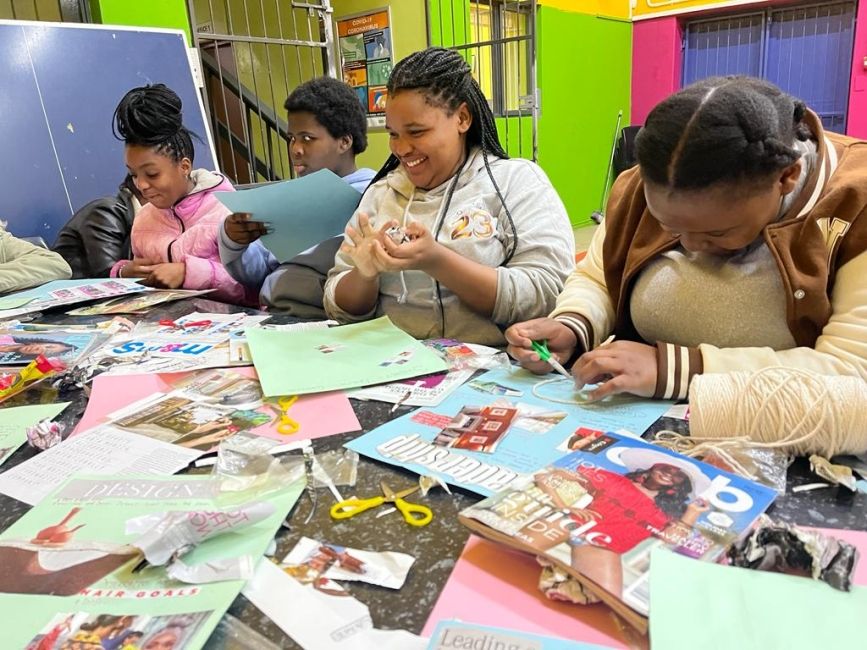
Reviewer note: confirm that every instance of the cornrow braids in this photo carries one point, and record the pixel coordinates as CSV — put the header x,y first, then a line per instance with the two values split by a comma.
x,y
446,81
152,116
736,130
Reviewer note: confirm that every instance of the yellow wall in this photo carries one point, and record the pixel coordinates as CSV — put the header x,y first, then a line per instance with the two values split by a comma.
x,y
610,8
654,8
409,34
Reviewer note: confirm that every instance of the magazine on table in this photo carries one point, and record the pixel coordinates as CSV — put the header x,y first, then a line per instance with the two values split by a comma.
x,y
195,342
137,304
19,348
159,434
599,512
71,567
65,292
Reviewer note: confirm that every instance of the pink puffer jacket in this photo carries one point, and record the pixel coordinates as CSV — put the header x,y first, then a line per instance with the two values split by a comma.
x,y
189,233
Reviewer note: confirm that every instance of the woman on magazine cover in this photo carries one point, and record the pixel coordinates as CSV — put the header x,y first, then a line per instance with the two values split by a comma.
x,y
612,513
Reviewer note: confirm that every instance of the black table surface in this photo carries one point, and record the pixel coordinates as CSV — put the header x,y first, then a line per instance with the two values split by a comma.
x,y
437,546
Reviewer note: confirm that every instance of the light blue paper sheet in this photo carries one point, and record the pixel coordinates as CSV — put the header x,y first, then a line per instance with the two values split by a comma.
x,y
302,212
449,635
527,446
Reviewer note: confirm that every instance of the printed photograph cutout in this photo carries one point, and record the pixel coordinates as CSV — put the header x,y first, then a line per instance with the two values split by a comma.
x,y
56,562
477,428
398,360
86,631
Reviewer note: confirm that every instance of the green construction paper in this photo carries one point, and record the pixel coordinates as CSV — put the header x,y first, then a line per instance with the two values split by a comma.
x,y
35,578
289,363
710,606
14,302
15,420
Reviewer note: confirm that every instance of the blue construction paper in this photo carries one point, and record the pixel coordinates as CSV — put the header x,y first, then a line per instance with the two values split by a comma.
x,y
302,212
456,634
407,441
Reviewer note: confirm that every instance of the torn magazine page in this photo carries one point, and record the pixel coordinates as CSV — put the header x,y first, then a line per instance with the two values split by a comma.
x,y
319,620
311,559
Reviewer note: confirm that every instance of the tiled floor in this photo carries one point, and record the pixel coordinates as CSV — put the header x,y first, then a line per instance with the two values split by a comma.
x,y
583,236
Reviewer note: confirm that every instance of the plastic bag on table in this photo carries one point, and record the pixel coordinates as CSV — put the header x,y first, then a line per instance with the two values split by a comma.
x,y
338,465
463,356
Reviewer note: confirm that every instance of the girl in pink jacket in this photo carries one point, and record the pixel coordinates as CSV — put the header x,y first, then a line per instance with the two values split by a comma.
x,y
175,235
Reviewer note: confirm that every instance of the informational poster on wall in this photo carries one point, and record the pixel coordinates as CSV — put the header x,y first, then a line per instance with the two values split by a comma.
x,y
366,59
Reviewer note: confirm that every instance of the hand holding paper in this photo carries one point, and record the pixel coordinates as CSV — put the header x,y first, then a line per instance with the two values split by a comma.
x,y
302,212
241,228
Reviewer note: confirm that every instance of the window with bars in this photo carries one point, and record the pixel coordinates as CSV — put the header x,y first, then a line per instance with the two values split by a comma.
x,y
500,62
68,11
806,51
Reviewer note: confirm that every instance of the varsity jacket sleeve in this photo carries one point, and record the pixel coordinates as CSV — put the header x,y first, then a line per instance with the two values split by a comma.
x,y
23,265
249,264
585,306
841,348
545,255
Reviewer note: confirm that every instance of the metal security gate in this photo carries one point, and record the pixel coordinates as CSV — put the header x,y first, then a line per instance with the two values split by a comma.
x,y
807,51
61,11
253,54
498,40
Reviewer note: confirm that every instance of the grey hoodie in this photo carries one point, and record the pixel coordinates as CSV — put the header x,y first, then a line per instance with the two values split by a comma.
x,y
477,227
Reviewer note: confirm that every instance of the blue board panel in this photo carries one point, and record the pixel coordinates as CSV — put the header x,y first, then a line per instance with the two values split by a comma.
x,y
72,81
120,60
28,158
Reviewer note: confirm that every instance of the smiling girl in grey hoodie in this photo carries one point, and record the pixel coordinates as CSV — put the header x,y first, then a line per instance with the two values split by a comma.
x,y
452,238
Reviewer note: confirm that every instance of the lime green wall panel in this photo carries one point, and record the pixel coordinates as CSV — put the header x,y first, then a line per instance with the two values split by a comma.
x,y
170,14
584,66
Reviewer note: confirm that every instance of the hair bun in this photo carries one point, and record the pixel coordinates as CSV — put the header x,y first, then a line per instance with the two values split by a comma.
x,y
149,114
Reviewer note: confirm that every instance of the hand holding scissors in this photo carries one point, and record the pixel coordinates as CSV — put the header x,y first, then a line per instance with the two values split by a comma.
x,y
413,513
541,348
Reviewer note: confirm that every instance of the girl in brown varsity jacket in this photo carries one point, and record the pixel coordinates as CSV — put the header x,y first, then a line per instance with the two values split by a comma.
x,y
738,242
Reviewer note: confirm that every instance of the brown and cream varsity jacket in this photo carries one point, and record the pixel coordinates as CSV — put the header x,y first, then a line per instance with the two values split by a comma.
x,y
819,245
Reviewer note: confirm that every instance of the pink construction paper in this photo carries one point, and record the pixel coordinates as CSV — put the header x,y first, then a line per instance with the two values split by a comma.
x,y
858,539
493,585
320,414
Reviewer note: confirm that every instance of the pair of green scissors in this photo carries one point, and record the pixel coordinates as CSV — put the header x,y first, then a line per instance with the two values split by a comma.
x,y
286,425
541,348
413,513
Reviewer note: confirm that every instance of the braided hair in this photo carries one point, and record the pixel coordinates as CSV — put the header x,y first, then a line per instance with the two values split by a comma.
x,y
672,501
733,130
151,116
446,81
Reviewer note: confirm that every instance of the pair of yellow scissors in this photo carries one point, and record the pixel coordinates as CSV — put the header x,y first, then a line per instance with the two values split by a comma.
x,y
413,513
286,426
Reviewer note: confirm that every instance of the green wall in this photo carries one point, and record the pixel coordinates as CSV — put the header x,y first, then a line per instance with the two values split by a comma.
x,y
584,67
449,24
409,34
171,14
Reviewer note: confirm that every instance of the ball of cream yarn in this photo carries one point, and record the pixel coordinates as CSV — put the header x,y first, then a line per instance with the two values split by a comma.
x,y
795,410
